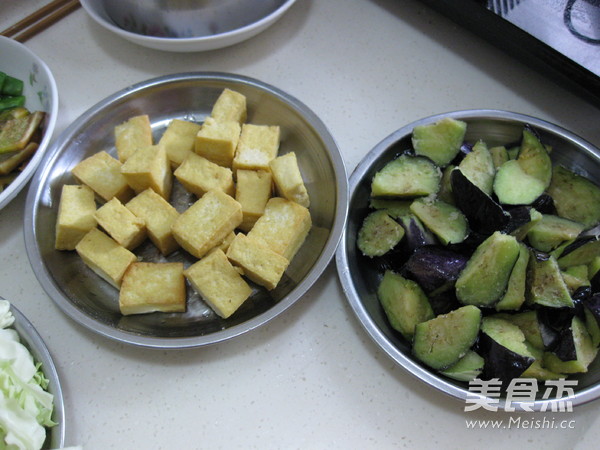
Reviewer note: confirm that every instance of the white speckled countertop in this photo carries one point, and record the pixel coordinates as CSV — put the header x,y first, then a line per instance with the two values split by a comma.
x,y
311,378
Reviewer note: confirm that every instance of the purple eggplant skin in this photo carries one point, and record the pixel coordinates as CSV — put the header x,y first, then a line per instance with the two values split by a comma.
x,y
579,297
484,214
518,216
545,204
443,301
565,347
433,267
592,303
579,242
553,322
500,362
415,234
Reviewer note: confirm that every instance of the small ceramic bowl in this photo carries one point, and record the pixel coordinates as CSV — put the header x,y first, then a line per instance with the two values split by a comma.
x,y
41,95
185,26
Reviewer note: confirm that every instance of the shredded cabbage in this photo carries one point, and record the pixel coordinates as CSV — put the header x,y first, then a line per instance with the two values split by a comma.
x,y
25,405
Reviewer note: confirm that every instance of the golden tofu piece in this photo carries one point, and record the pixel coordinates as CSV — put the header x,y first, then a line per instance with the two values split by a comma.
x,y
253,190
102,173
218,283
288,179
207,222
159,215
75,216
152,287
227,242
122,225
230,107
178,140
257,147
131,135
259,263
283,227
217,141
104,256
149,167
199,175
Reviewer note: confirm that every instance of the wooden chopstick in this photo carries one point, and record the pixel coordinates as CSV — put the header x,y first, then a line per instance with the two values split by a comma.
x,y
40,19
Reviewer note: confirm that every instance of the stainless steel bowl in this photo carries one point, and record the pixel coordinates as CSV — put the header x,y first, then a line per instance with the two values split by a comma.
x,y
31,339
359,281
186,25
92,302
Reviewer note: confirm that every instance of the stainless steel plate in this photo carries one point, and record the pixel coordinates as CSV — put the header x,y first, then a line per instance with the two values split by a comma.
x,y
55,437
91,301
360,280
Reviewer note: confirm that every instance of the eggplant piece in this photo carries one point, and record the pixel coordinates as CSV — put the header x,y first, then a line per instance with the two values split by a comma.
x,y
502,344
478,167
537,369
499,155
395,208
529,324
434,267
485,277
440,141
551,231
581,251
514,296
404,303
483,213
591,307
406,177
534,158
466,368
546,285
575,197
379,234
444,220
552,321
445,193
513,186
521,219
441,342
585,350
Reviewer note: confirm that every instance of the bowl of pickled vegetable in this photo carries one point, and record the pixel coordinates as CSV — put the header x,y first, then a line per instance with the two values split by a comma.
x,y
28,112
471,254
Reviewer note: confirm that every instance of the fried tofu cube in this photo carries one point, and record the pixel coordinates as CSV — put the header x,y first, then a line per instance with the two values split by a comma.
x,y
178,140
75,216
227,242
159,216
149,167
257,147
283,227
207,222
230,107
199,175
121,224
288,179
131,135
259,263
218,283
217,141
102,173
253,190
151,287
105,256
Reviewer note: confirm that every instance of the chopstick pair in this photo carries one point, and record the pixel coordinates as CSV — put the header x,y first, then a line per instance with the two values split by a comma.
x,y
40,19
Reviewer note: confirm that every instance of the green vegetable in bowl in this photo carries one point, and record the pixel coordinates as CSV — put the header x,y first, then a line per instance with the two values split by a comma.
x,y
25,405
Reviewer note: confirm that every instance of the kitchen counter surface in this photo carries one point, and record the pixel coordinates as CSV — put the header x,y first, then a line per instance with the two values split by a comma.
x,y
311,378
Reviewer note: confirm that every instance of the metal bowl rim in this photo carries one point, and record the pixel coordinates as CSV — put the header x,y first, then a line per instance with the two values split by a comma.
x,y
327,253
420,372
